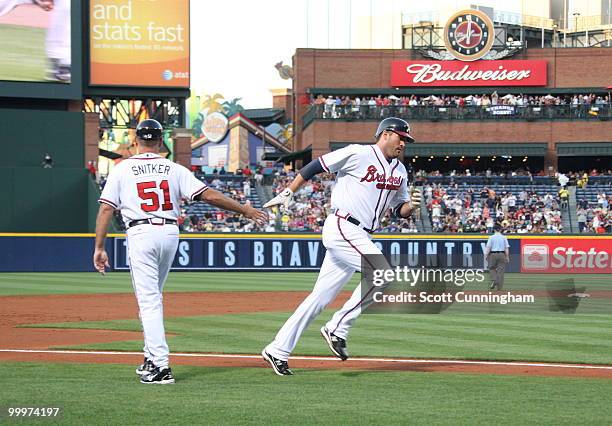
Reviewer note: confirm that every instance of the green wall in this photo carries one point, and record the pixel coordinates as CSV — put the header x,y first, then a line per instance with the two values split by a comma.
x,y
44,200
28,134
38,199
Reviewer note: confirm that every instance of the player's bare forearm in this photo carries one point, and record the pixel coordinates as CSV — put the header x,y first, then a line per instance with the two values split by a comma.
x,y
100,258
105,214
297,183
217,199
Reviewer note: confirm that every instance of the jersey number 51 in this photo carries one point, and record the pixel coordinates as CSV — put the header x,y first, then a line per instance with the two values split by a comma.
x,y
148,191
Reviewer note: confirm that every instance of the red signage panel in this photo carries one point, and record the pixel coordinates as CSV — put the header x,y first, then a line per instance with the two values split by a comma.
x,y
459,73
574,256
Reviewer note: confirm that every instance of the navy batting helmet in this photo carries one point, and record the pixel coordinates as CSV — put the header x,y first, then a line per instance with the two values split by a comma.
x,y
395,125
149,130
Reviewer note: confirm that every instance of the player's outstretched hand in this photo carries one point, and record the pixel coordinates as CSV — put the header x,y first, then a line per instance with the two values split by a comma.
x,y
100,260
257,216
283,198
415,198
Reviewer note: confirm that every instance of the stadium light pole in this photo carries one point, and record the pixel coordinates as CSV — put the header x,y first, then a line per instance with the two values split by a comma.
x,y
328,23
350,14
586,26
307,20
576,15
564,21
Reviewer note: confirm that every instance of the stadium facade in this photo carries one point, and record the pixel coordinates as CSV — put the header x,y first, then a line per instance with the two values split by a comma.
x,y
548,134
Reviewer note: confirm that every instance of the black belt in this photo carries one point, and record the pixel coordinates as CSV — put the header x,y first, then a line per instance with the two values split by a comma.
x,y
355,222
498,252
156,221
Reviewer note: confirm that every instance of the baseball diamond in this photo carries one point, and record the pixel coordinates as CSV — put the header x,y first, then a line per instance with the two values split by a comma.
x,y
384,212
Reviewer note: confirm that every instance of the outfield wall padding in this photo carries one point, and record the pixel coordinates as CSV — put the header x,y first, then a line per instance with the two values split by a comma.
x,y
303,252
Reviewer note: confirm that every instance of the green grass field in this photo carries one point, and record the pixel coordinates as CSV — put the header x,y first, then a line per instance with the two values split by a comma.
x,y
23,50
110,394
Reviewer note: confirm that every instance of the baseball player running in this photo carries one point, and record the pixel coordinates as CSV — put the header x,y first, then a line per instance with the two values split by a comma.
x,y
147,188
370,179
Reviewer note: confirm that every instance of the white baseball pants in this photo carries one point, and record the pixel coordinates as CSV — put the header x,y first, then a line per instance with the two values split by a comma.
x,y
345,245
58,33
7,5
151,250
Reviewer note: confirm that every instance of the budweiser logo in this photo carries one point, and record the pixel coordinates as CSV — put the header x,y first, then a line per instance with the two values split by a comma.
x,y
477,73
427,73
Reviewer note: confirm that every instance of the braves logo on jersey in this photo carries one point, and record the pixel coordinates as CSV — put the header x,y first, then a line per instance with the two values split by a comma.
x,y
391,183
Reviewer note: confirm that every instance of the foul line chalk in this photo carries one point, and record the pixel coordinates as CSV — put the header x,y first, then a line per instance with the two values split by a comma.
x,y
320,358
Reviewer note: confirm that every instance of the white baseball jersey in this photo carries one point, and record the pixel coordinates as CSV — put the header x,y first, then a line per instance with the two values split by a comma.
x,y
366,183
148,186
366,186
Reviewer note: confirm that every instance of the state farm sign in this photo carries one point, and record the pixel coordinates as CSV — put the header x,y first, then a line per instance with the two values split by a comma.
x,y
575,256
477,73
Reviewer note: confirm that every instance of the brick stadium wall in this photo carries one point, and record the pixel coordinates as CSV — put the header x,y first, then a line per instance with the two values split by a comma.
x,y
320,133
567,68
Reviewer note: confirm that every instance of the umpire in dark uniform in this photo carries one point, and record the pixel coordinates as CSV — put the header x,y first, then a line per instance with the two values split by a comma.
x,y
497,253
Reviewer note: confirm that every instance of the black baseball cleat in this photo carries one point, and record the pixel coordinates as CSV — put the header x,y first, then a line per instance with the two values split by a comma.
x,y
492,286
159,376
58,72
279,366
146,367
335,343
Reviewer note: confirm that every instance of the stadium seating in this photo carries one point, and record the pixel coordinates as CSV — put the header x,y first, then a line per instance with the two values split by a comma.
x,y
199,216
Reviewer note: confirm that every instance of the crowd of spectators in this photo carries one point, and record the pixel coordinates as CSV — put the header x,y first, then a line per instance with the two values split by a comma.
x,y
467,210
360,107
311,205
330,103
452,207
595,218
215,220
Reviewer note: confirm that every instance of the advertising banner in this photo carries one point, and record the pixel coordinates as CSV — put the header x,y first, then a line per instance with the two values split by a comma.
x,y
139,43
459,73
307,254
579,256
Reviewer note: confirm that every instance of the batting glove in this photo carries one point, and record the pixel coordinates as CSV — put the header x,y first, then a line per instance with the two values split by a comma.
x,y
283,198
415,198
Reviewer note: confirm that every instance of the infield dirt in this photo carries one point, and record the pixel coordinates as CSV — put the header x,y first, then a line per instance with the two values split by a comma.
x,y
28,310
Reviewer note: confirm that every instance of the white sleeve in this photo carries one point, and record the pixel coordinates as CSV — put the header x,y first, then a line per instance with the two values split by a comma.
x,y
191,186
339,159
110,193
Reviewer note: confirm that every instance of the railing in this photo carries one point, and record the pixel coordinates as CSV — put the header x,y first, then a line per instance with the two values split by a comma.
x,y
466,113
485,181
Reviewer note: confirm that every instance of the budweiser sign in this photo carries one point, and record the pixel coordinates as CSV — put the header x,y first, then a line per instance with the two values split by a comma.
x,y
477,73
